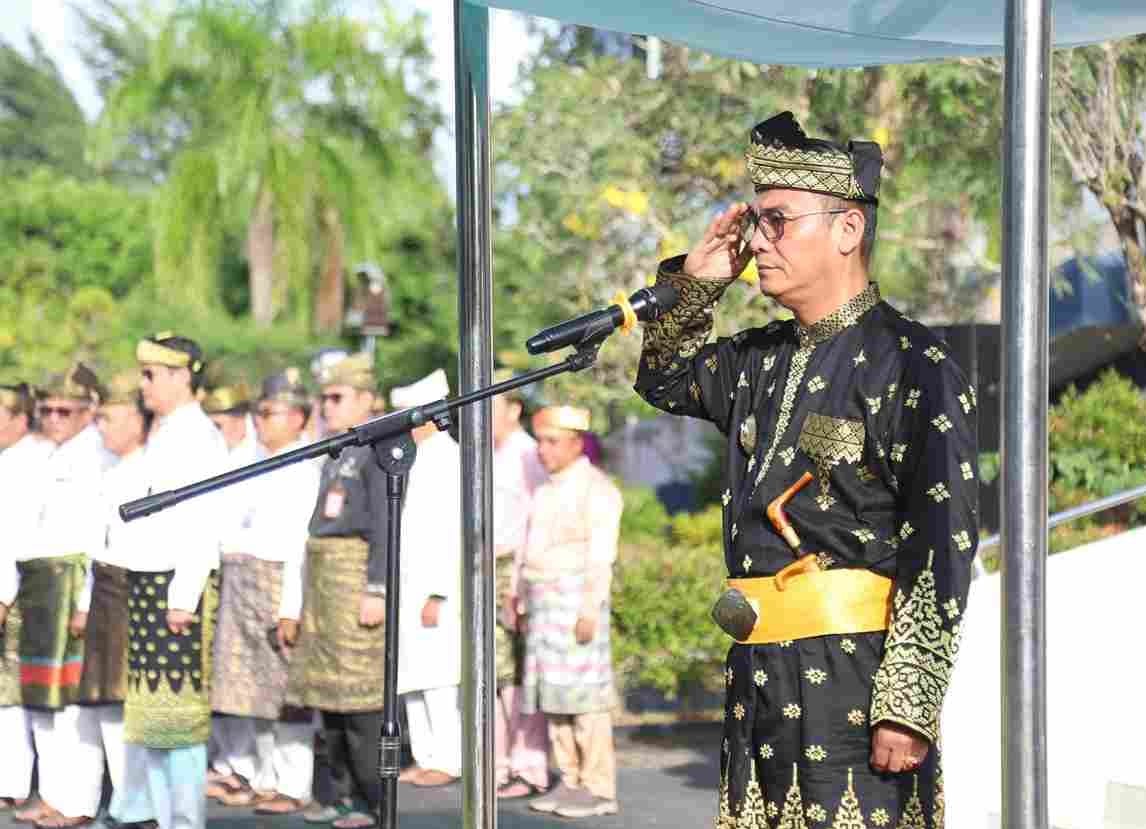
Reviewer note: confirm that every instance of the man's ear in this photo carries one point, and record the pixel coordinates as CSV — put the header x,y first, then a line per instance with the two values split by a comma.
x,y
850,228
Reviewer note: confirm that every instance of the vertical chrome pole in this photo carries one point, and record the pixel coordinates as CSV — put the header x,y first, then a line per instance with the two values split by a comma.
x,y
1026,298
475,316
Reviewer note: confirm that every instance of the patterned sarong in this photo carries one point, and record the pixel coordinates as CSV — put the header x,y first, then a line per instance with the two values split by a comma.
x,y
561,676
51,659
168,677
338,665
10,659
250,674
104,679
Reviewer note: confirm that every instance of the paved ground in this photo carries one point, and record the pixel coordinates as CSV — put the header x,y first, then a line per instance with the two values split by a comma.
x,y
666,778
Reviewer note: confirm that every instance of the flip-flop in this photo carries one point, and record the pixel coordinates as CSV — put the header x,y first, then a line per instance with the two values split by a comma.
x,y
355,820
517,787
281,804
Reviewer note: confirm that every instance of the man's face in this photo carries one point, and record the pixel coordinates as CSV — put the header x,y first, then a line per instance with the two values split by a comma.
x,y
794,267
232,426
345,406
163,387
506,418
12,427
62,418
558,448
121,427
277,424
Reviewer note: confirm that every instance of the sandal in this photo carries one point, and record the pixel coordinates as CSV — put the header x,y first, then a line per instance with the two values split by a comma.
x,y
225,786
7,803
517,787
281,804
58,821
355,820
36,811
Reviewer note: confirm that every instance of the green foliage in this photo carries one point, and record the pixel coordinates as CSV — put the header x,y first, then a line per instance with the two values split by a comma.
x,y
40,121
1097,441
669,574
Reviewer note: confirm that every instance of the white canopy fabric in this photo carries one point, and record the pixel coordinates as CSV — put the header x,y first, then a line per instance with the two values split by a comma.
x,y
831,33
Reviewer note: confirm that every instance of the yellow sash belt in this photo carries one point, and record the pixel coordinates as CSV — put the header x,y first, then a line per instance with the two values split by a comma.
x,y
802,601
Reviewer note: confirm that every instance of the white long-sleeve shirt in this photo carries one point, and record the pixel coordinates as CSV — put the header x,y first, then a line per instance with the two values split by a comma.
x,y
69,515
183,447
273,523
517,472
125,545
21,466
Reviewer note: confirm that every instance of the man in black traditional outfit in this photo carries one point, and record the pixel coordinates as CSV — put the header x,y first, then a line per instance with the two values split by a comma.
x,y
845,597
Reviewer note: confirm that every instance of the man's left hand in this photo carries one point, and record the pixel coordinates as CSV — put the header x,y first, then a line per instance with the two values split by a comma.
x,y
896,748
585,630
179,621
431,610
78,624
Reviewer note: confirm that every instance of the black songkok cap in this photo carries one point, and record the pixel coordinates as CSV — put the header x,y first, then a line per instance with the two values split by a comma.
x,y
781,156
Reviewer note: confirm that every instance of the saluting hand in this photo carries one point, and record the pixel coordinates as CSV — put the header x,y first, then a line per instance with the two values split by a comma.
x,y
720,254
896,748
78,625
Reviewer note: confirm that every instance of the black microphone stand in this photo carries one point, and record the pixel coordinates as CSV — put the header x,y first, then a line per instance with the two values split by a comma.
x,y
390,440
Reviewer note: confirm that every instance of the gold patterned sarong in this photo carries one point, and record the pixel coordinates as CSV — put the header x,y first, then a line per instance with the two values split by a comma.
x,y
10,659
338,665
168,678
250,674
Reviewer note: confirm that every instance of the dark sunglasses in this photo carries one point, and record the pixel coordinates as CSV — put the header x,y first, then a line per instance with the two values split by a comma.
x,y
771,222
334,397
63,412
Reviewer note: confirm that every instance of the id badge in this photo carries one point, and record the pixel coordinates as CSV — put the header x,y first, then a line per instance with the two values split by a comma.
x,y
335,501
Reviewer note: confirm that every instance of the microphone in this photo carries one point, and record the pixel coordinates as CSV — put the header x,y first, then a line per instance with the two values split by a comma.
x,y
647,304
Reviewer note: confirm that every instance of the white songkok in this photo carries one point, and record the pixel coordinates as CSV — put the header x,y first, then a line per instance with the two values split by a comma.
x,y
432,387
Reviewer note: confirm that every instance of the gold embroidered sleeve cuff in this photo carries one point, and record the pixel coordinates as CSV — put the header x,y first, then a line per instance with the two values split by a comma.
x,y
683,330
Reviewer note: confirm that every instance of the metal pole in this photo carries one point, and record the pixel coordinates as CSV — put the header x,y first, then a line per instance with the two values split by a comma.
x,y
475,317
1026,387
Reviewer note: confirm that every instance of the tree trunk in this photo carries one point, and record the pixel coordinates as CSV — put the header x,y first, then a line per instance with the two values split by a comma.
x,y
1126,224
261,259
330,298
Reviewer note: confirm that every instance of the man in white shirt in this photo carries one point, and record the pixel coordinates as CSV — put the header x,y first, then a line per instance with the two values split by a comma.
x,y
167,714
262,583
429,615
229,408
22,455
52,571
521,743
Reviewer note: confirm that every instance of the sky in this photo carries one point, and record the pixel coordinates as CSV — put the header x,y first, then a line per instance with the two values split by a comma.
x,y
57,27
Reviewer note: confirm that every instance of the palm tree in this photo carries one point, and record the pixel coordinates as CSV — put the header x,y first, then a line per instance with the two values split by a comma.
x,y
295,130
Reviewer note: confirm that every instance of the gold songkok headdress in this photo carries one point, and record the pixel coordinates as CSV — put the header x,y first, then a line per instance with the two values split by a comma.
x,y
781,156
356,371
232,399
286,387
159,350
78,383
122,390
560,418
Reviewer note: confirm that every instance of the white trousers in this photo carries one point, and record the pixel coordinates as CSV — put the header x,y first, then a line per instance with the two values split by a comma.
x,y
71,759
16,751
110,719
435,723
272,756
168,785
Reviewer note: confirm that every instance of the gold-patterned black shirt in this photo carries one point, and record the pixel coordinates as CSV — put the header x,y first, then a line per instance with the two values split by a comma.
x,y
872,404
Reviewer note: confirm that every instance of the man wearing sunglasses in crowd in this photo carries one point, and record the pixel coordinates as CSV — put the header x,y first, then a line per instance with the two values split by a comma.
x,y
339,643
272,747
52,566
173,593
851,479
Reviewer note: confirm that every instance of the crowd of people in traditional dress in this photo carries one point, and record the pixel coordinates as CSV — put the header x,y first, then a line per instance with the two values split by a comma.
x,y
232,647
